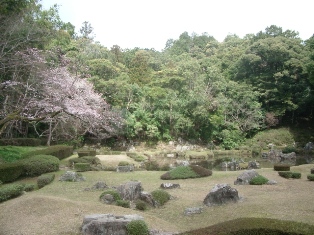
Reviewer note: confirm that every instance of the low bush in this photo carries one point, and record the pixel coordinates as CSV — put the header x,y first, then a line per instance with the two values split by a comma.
x,y
123,163
296,175
10,191
40,164
201,171
20,142
282,167
161,196
140,205
289,174
258,180
152,166
81,167
29,187
137,227
289,149
83,153
285,174
112,192
59,151
44,180
123,203
186,172
310,177
9,172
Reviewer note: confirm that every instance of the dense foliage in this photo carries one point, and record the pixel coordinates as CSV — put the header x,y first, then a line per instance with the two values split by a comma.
x,y
186,172
66,87
9,191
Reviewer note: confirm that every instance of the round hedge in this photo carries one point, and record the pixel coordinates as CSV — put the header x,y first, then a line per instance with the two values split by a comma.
x,y
160,196
282,167
259,180
137,227
40,164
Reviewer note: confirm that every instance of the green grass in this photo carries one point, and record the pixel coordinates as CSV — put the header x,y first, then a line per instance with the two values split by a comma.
x,y
14,153
261,226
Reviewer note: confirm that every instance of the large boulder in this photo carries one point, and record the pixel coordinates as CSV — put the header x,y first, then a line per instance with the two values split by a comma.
x,y
288,158
253,165
107,224
274,156
245,177
148,198
130,191
221,194
72,176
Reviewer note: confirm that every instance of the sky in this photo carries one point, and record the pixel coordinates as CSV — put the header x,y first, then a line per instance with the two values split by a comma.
x,y
150,23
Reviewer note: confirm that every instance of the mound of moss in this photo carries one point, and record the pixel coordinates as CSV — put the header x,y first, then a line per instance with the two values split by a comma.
x,y
186,172
260,226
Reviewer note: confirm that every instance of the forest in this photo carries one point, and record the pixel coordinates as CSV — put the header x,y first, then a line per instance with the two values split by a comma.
x,y
64,86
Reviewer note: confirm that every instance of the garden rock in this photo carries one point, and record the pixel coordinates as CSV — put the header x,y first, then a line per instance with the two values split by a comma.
x,y
271,182
193,210
107,199
72,176
107,224
98,186
130,191
312,171
309,146
253,165
148,198
128,168
288,158
221,194
169,185
246,177
274,156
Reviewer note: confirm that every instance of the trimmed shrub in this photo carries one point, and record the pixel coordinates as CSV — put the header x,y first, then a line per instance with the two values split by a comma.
x,y
29,187
258,180
10,191
82,167
44,180
9,172
289,174
152,166
59,151
40,164
20,142
83,153
123,203
282,167
285,174
140,205
137,227
289,149
161,196
123,163
310,177
112,192
186,172
201,171
296,175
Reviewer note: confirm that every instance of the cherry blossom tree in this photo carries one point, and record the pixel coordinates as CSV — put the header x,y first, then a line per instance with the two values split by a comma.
x,y
38,91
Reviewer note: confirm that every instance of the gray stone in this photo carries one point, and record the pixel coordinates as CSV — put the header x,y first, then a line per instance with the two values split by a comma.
x,y
288,157
100,186
271,182
309,146
193,210
107,199
246,177
169,185
72,176
274,156
130,191
148,198
253,165
221,194
98,224
128,168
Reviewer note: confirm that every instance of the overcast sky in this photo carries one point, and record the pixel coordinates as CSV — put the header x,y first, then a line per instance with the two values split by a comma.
x,y
150,23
